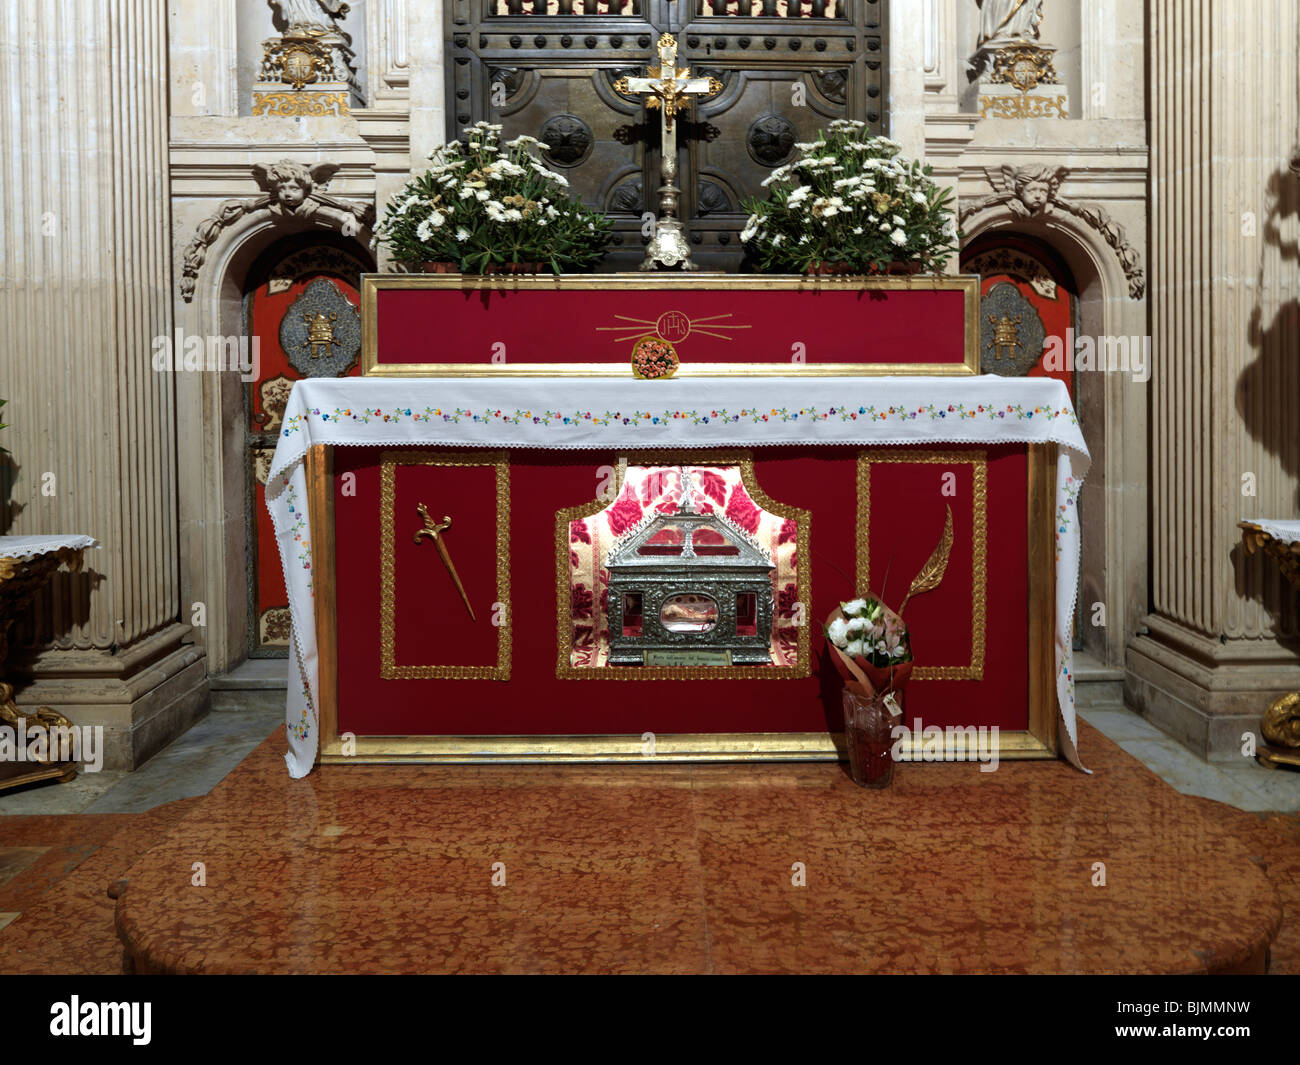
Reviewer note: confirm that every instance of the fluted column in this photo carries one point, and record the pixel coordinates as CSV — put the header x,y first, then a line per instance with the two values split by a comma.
x,y
1225,394
86,288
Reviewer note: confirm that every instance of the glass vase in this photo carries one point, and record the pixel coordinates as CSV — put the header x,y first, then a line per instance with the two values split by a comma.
x,y
867,734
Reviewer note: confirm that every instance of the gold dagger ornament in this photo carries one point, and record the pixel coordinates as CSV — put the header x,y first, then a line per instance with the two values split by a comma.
x,y
434,530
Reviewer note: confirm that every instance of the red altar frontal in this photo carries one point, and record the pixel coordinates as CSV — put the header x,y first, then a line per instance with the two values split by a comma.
x,y
538,557
409,674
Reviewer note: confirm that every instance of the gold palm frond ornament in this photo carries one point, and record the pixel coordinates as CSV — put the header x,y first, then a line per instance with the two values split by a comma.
x,y
932,572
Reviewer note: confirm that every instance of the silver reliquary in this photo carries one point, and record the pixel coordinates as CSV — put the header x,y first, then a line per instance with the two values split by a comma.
x,y
687,588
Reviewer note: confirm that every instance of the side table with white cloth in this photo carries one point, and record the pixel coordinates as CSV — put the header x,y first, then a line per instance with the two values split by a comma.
x,y
26,564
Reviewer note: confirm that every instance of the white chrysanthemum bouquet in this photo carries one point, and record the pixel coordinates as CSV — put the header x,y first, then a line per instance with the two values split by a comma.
x,y
850,203
867,629
483,203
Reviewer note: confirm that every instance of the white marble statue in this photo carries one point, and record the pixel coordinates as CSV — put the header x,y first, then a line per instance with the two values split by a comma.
x,y
1008,22
311,14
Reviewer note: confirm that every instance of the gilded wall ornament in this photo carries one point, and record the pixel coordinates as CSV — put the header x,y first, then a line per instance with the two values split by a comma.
x,y
1005,25
312,47
1025,67
1011,332
321,331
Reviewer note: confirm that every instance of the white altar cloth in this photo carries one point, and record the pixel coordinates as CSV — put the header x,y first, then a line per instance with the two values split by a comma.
x,y
576,412
1287,532
41,544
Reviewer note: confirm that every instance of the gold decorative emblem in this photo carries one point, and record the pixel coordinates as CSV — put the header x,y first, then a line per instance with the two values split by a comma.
x,y
299,105
1025,66
320,334
301,66
672,327
1006,335
1025,106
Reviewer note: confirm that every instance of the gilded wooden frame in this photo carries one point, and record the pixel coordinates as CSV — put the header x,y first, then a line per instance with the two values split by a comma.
x,y
372,284
978,461
1039,740
389,462
803,575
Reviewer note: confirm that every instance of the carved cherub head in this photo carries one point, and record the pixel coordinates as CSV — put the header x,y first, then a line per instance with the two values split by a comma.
x,y
290,184
1030,190
1036,186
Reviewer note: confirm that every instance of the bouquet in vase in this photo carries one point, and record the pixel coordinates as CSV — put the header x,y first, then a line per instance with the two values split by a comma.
x,y
871,645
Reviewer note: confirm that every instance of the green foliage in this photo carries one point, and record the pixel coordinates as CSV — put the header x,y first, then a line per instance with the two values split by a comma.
x,y
483,202
848,198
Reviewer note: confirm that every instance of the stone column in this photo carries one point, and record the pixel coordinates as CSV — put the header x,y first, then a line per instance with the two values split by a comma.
x,y
92,437
426,35
1226,387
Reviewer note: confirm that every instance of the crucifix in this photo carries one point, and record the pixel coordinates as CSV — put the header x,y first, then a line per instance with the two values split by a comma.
x,y
669,91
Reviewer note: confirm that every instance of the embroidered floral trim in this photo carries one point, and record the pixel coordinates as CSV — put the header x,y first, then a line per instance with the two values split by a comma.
x,y
300,532
302,728
930,412
1067,499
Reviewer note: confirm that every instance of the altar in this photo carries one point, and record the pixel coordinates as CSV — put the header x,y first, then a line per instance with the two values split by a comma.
x,y
454,544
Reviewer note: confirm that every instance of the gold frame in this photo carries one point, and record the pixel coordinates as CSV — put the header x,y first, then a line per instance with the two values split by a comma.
x,y
744,459
978,460
372,284
390,460
1038,741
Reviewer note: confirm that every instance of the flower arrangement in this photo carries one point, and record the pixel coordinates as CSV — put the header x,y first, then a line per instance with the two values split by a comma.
x,y
872,650
868,629
483,203
872,646
852,202
654,358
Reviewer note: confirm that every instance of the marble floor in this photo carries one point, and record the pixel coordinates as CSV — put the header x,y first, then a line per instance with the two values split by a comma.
x,y
247,710
191,766
1247,786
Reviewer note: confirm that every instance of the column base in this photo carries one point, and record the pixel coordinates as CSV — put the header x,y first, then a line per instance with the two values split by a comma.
x,y
144,696
1206,694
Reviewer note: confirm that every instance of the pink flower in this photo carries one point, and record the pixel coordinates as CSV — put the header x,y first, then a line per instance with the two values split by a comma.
x,y
581,600
743,512
623,515
712,485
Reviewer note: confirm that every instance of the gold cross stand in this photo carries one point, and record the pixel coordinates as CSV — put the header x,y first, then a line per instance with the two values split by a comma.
x,y
668,90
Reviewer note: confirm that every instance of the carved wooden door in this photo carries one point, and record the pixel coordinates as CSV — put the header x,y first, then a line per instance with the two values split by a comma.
x,y
547,68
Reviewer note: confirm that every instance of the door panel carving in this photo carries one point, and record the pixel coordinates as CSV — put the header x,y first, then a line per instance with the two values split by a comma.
x,y
547,68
